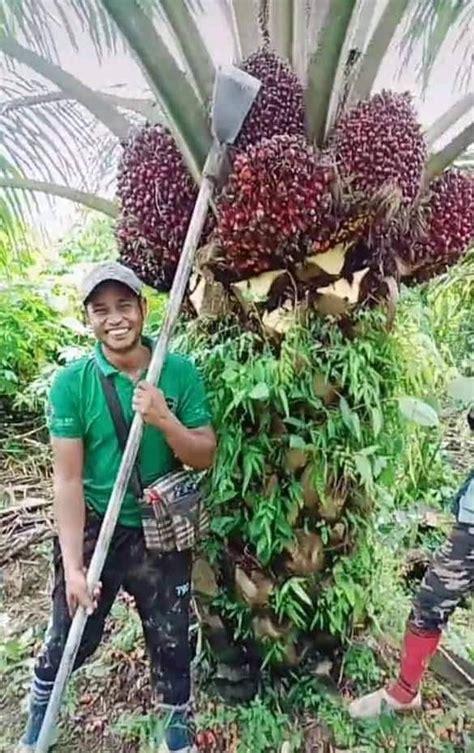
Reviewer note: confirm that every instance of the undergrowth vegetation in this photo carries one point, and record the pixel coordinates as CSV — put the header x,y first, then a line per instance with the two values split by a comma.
x,y
329,398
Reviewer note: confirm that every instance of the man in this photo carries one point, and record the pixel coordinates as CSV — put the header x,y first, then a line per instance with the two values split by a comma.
x,y
446,583
86,458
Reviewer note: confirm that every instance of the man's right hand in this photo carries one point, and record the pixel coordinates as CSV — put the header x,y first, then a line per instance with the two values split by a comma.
x,y
77,592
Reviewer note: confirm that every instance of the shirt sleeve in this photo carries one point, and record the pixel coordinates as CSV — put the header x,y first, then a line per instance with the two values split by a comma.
x,y
193,406
63,415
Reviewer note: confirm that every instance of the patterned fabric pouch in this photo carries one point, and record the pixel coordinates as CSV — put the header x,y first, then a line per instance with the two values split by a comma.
x,y
174,517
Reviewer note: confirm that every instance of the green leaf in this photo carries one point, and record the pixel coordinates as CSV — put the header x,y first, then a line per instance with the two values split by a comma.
x,y
260,392
346,413
439,161
191,44
364,468
417,411
377,420
461,390
99,106
384,32
297,443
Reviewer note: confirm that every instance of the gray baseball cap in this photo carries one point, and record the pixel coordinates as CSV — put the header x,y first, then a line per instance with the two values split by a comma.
x,y
107,271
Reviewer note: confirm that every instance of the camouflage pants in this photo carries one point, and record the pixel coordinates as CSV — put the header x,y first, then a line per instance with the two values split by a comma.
x,y
160,585
448,580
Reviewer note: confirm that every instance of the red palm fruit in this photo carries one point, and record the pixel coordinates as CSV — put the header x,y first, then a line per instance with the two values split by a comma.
x,y
378,147
279,107
157,196
277,195
447,222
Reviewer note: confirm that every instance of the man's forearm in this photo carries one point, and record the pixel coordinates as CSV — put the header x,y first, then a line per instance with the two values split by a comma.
x,y
70,515
194,447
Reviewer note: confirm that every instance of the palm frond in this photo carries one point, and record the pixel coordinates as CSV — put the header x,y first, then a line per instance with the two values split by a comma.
x,y
377,47
13,209
65,192
185,115
50,124
189,40
449,118
143,106
281,27
354,48
317,14
38,21
299,55
435,25
105,112
14,238
450,153
324,63
242,19
466,161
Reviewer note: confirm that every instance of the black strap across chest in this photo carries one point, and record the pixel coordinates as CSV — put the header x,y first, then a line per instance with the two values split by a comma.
x,y
122,427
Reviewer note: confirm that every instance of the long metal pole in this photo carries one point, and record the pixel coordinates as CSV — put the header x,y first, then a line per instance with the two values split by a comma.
x,y
128,459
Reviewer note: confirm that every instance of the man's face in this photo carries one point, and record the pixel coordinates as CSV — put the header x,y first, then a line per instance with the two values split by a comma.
x,y
116,316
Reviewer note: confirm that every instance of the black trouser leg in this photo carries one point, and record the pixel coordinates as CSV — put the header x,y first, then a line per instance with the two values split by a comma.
x,y
161,587
49,658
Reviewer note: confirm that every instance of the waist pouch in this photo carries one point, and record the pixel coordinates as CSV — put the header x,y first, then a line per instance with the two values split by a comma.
x,y
173,514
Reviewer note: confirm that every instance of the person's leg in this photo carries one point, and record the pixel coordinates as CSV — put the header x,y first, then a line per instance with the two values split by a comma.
x,y
48,661
446,583
448,580
161,586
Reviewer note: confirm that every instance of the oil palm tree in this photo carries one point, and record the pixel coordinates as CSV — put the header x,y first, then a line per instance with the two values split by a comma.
x,y
334,194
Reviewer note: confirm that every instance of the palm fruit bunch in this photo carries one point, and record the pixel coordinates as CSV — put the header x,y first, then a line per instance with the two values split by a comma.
x,y
447,226
378,147
157,196
278,193
279,107
284,201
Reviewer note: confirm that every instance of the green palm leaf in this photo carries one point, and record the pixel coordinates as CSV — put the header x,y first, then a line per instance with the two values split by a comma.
x,y
379,43
65,192
189,40
241,17
447,120
181,106
434,25
282,27
105,112
38,20
324,63
450,153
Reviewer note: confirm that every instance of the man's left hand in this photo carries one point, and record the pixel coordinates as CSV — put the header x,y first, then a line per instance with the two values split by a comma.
x,y
150,402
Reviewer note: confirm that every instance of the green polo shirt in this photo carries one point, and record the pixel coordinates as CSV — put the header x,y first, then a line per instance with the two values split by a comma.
x,y
77,409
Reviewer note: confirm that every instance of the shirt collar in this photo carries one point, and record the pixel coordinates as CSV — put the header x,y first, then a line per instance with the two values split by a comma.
x,y
108,368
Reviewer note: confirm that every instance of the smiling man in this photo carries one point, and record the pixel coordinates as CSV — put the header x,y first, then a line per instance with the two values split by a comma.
x,y
86,457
